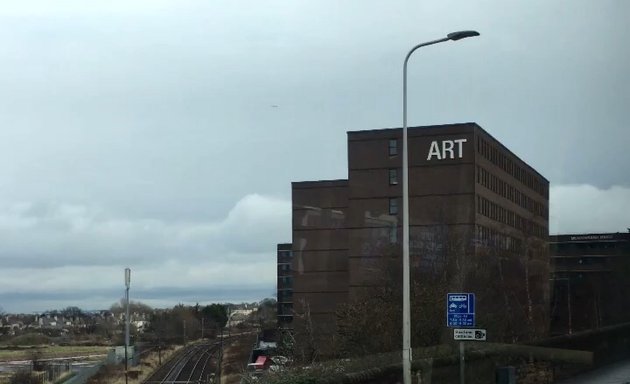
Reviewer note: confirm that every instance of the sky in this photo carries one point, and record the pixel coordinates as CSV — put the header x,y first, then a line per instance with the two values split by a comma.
x,y
163,135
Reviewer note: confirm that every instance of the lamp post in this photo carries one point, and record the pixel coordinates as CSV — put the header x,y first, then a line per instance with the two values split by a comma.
x,y
127,284
406,349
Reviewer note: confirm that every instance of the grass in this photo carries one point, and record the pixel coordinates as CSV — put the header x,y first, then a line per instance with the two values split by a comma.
x,y
116,374
48,351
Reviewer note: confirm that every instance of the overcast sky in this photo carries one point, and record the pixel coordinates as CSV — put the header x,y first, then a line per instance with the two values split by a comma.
x,y
163,135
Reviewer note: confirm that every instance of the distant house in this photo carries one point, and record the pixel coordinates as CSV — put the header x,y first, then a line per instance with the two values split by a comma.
x,y
141,325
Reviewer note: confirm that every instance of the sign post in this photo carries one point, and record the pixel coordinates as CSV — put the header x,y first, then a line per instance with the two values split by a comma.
x,y
462,364
460,312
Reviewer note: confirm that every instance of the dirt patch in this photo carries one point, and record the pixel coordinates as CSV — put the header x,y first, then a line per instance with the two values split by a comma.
x,y
149,362
235,356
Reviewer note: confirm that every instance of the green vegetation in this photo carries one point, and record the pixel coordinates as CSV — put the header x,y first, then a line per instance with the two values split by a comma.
x,y
48,352
29,339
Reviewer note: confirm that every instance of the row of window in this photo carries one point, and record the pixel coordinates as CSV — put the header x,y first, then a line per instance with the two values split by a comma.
x,y
498,213
285,296
495,239
284,269
500,187
570,262
285,281
285,309
504,162
285,253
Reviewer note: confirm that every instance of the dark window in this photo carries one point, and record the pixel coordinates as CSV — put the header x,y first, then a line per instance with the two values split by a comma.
x,y
393,177
393,147
393,235
393,206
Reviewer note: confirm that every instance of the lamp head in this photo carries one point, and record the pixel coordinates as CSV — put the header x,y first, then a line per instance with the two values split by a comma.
x,y
461,35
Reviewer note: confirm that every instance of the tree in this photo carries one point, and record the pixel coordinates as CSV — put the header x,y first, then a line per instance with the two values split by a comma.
x,y
216,314
507,277
134,307
72,312
175,325
266,313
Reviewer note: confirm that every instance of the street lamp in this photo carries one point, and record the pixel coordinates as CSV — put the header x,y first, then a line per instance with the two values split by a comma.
x,y
127,285
406,349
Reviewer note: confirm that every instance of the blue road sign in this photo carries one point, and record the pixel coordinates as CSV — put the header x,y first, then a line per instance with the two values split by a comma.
x,y
460,310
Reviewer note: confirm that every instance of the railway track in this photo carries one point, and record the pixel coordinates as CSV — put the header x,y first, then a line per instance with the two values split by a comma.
x,y
192,365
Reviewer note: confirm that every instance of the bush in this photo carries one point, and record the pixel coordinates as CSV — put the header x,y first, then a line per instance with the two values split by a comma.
x,y
23,377
29,339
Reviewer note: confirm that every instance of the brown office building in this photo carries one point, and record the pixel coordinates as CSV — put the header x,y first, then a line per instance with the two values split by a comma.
x,y
478,223
590,281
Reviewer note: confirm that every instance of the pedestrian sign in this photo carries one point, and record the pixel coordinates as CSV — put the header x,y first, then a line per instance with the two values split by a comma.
x,y
460,310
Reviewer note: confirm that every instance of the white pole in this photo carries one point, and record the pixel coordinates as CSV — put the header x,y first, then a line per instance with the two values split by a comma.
x,y
406,347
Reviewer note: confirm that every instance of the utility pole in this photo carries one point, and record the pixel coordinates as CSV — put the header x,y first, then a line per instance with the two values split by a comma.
x,y
202,321
127,285
220,359
228,322
184,332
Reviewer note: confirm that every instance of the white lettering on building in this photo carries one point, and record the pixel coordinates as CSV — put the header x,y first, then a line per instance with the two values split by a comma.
x,y
446,149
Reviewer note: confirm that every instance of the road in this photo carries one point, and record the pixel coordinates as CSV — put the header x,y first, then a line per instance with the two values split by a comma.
x,y
618,373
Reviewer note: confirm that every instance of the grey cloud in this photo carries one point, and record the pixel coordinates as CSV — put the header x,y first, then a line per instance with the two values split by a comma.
x,y
15,302
53,235
130,129
588,209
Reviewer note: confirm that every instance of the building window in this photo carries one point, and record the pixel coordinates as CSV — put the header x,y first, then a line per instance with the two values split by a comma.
x,y
393,235
393,147
393,177
393,206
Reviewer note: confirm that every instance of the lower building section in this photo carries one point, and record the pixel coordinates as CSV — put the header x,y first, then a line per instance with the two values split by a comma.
x,y
589,281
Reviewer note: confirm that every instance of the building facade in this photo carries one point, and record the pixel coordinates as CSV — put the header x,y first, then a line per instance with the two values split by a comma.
x,y
284,286
478,223
589,281
320,249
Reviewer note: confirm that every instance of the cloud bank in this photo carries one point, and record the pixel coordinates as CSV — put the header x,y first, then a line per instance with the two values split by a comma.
x,y
56,252
588,209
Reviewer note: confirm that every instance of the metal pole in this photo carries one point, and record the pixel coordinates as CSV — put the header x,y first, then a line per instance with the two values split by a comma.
x,y
406,348
220,359
462,366
127,285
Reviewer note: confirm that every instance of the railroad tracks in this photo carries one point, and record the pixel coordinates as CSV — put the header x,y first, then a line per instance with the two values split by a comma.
x,y
193,365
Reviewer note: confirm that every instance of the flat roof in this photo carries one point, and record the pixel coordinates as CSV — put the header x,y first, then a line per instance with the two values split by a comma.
x,y
589,237
320,183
